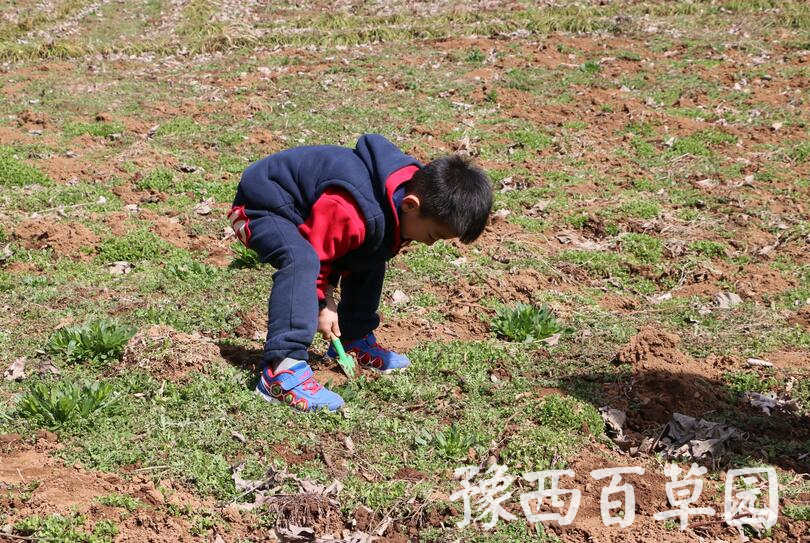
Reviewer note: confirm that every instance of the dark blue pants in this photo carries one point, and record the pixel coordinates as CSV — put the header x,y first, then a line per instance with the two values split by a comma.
x,y
292,309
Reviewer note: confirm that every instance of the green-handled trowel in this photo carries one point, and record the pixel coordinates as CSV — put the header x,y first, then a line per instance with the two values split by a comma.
x,y
346,362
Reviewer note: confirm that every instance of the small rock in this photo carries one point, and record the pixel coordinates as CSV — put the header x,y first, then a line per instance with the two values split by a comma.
x,y
132,208
460,261
399,297
114,137
203,208
71,154
500,215
758,362
120,267
101,200
659,298
187,168
727,300
777,126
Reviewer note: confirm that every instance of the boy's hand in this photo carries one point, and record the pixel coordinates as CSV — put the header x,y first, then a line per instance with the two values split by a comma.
x,y
328,319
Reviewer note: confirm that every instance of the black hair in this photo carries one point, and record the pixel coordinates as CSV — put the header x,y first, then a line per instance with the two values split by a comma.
x,y
455,192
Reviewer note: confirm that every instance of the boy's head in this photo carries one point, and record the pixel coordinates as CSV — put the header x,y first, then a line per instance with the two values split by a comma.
x,y
448,198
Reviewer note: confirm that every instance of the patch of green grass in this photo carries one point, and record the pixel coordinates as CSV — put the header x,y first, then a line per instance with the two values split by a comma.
x,y
639,209
475,55
645,248
525,323
531,139
740,382
190,271
577,220
797,512
559,424
124,501
178,127
709,248
159,179
643,149
800,152
64,529
56,405
590,67
135,246
700,143
100,129
100,342
14,172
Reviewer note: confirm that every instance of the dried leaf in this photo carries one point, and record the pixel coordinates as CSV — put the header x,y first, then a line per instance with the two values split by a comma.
x,y
16,371
349,444
238,437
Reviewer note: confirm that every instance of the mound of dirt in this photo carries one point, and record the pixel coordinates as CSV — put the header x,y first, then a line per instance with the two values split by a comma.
x,y
66,239
666,380
165,352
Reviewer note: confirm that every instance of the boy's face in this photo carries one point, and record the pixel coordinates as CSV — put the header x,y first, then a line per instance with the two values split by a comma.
x,y
416,227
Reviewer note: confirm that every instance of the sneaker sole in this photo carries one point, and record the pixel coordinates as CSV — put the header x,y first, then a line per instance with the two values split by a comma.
x,y
271,399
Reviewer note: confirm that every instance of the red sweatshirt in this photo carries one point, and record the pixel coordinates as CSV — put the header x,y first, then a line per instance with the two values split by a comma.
x,y
336,225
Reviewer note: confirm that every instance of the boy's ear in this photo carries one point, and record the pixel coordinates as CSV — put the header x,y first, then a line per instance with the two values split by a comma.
x,y
411,203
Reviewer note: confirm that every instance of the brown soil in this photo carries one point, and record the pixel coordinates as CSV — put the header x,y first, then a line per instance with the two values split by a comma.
x,y
63,489
65,238
760,281
167,353
171,231
665,379
612,302
789,360
802,317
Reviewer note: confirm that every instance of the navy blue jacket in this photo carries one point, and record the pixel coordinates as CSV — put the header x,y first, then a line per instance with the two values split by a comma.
x,y
289,182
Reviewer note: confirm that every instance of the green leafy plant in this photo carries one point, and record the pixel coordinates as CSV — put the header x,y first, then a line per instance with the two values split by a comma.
x,y
99,342
54,405
64,528
120,500
525,323
190,269
244,257
14,172
453,442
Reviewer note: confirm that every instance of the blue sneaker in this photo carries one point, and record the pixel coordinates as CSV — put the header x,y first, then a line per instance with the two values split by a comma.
x,y
369,353
297,388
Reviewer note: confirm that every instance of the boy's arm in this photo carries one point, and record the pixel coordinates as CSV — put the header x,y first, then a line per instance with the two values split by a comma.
x,y
334,227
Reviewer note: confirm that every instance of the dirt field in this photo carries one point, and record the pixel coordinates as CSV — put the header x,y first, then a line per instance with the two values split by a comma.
x,y
651,163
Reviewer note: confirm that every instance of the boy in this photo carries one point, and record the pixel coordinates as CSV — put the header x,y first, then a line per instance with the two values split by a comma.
x,y
323,214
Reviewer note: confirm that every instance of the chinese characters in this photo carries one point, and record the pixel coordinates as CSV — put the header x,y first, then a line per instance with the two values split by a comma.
x,y
751,496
